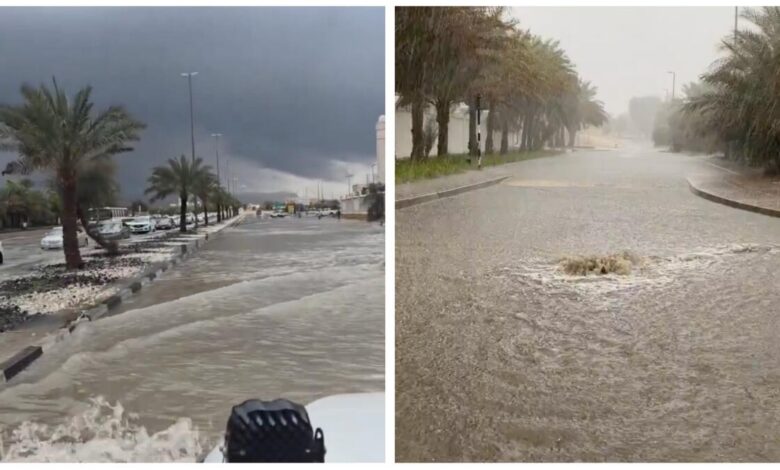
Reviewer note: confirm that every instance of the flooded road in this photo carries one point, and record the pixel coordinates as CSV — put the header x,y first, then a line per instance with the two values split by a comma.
x,y
272,308
503,356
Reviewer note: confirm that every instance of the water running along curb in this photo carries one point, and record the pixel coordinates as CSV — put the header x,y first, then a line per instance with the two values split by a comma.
x,y
414,200
21,360
731,202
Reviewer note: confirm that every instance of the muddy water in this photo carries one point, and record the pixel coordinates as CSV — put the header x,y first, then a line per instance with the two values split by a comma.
x,y
291,308
503,356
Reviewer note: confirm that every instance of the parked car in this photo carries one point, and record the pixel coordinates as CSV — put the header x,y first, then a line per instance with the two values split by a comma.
x,y
53,238
189,219
113,230
141,224
200,218
164,223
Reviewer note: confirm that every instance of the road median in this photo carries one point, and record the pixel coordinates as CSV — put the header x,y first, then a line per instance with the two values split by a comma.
x,y
65,321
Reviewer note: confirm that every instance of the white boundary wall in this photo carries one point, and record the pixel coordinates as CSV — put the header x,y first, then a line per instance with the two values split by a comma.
x,y
458,138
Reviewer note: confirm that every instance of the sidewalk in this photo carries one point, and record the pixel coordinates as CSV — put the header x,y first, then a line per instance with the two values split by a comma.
x,y
458,180
727,183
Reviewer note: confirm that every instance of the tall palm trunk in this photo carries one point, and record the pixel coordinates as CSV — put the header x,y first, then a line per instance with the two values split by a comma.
x,y
572,136
526,139
491,124
219,213
183,212
418,140
443,120
205,211
70,242
504,137
111,247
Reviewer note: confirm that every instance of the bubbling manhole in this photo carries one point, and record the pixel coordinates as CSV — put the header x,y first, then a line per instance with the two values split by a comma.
x,y
619,263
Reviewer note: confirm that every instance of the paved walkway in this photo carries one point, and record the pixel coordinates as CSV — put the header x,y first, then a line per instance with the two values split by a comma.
x,y
744,188
457,180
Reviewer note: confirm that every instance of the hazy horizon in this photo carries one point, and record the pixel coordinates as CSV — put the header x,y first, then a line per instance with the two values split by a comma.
x,y
621,49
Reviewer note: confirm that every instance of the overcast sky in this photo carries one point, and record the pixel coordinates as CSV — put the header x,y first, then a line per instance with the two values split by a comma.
x,y
627,51
295,91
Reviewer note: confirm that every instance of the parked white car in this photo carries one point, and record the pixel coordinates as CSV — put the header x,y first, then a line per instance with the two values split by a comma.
x,y
141,224
53,238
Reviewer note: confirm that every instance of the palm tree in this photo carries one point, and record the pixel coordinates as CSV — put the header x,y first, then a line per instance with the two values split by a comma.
x,y
203,189
19,203
741,103
582,109
51,132
178,177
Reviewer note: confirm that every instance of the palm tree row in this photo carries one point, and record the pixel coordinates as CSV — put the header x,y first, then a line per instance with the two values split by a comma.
x,y
184,178
64,138
468,54
740,103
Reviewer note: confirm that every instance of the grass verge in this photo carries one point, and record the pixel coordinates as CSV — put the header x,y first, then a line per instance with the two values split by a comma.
x,y
407,170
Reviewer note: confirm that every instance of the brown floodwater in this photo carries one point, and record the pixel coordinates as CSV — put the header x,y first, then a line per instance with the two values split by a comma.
x,y
288,308
503,356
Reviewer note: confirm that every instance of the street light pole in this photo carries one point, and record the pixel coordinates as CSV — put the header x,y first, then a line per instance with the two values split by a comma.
x,y
736,15
189,76
219,179
674,78
216,147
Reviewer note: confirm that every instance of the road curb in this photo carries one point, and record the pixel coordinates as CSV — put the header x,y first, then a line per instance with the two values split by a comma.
x,y
710,196
21,360
415,200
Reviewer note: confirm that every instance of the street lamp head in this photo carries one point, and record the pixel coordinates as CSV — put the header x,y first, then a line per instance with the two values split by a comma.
x,y
189,74
216,135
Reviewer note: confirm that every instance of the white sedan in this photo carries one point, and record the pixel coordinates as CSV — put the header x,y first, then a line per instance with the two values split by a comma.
x,y
53,238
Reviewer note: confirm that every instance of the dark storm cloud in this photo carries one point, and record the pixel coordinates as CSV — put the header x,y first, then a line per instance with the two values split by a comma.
x,y
292,89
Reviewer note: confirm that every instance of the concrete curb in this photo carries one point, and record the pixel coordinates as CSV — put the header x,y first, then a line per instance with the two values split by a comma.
x,y
21,360
415,200
731,202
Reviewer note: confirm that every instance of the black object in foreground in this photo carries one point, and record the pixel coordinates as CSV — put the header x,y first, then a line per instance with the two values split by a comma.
x,y
272,431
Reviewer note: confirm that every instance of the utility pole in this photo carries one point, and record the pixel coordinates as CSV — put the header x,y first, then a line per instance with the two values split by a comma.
x,y
349,185
736,15
479,133
674,78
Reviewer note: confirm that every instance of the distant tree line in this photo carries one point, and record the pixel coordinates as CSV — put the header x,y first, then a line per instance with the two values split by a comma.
x,y
448,55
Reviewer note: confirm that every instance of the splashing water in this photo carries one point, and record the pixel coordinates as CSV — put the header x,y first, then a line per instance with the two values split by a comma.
x,y
620,263
102,433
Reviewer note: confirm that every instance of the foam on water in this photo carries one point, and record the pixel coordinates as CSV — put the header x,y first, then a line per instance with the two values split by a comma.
x,y
101,433
630,271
